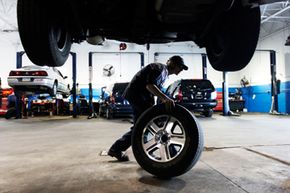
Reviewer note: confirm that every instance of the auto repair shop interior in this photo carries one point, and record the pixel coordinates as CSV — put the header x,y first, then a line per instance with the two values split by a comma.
x,y
59,117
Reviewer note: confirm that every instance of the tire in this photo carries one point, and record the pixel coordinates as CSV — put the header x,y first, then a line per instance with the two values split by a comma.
x,y
44,31
234,38
208,113
182,153
53,90
11,112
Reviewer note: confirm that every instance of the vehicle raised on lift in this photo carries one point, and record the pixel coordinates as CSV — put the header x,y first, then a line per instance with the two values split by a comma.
x,y
228,29
38,79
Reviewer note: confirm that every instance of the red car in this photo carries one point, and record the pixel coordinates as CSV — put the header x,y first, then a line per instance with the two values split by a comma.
x,y
4,93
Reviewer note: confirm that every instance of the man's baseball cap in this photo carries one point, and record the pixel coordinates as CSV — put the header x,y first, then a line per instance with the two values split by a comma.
x,y
178,61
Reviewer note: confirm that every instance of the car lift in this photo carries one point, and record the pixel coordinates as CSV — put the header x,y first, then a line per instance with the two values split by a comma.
x,y
225,91
275,87
19,65
92,113
275,84
203,55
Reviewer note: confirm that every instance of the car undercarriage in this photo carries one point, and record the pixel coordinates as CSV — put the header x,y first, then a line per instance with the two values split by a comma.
x,y
48,29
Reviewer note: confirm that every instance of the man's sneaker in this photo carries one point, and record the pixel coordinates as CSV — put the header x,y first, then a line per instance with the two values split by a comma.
x,y
121,157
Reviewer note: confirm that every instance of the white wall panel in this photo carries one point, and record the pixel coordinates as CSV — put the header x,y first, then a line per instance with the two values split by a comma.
x,y
193,61
9,45
258,70
125,66
276,42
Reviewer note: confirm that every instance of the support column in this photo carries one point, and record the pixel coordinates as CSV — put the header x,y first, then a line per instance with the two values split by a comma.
x,y
204,66
74,75
92,113
226,106
19,59
274,86
18,95
142,59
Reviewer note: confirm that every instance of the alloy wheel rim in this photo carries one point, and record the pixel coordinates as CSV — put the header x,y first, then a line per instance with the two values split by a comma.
x,y
163,138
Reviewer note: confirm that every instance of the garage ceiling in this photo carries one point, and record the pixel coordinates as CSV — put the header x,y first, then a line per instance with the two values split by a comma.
x,y
8,20
274,17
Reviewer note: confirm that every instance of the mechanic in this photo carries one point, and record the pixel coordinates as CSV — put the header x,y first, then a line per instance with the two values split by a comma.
x,y
140,93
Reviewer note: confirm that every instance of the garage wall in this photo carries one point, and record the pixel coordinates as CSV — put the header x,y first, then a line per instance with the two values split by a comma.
x,y
9,45
257,95
125,65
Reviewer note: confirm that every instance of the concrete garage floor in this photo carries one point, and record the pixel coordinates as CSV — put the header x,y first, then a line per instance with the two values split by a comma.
x,y
250,153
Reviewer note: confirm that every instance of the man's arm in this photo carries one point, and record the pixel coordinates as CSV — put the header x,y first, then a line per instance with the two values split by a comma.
x,y
152,88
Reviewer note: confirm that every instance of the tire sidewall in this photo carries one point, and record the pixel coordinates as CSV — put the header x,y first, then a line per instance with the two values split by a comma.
x,y
37,23
59,55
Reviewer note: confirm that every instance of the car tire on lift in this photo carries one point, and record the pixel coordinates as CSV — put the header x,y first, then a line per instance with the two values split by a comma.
x,y
167,144
53,90
234,37
44,33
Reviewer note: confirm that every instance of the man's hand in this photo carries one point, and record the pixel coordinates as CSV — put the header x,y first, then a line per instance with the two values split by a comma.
x,y
169,103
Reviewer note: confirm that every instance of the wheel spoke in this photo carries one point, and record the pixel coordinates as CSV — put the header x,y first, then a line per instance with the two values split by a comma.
x,y
171,124
150,145
177,139
164,153
153,128
167,122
